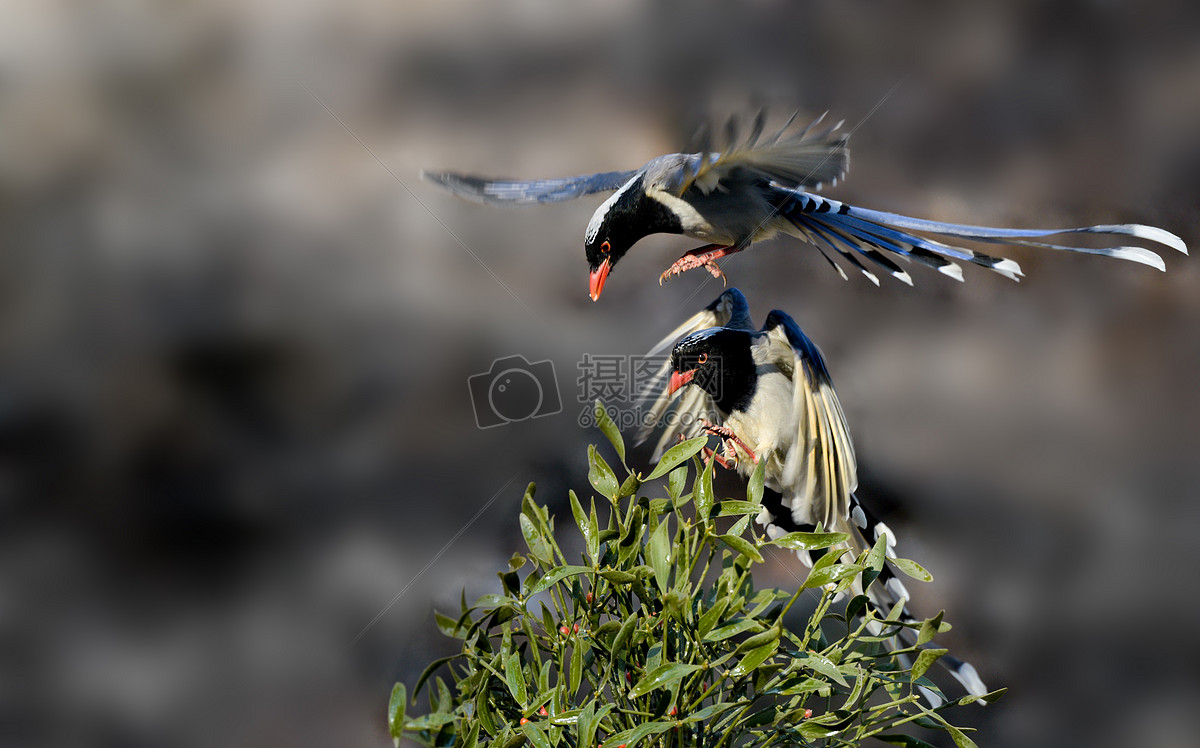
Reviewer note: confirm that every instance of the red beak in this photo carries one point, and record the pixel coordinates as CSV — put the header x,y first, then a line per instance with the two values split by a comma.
x,y
678,379
596,281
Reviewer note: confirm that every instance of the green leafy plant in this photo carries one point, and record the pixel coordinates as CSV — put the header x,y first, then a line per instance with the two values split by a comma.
x,y
659,636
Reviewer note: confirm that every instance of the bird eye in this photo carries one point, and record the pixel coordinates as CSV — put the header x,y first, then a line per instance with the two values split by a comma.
x,y
606,247
703,358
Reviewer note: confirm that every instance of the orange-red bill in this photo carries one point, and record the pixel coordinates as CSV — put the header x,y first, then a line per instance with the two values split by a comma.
x,y
597,278
679,379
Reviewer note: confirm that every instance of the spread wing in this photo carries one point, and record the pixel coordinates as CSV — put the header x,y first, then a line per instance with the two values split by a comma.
x,y
805,159
820,471
679,416
518,191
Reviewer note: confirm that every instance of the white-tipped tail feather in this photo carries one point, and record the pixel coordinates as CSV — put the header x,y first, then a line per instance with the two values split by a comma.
x,y
849,230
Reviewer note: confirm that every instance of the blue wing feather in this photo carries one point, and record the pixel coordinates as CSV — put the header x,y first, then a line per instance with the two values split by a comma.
x,y
518,191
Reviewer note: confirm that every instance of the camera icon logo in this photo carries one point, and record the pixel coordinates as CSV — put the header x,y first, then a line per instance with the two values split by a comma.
x,y
514,390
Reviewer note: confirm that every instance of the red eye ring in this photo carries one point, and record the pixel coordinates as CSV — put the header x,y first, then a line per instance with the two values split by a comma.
x,y
605,247
703,358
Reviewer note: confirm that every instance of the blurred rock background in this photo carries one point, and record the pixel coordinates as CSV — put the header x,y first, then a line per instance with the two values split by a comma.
x,y
236,332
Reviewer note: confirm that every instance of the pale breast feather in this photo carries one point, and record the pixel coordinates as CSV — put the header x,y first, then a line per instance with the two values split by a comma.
x,y
692,222
769,423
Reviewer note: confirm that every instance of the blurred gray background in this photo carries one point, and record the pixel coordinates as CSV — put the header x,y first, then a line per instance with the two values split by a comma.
x,y
235,423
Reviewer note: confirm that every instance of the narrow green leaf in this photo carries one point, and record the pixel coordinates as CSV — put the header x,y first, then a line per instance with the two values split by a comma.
x,y
659,552
630,486
396,706
528,507
587,733
538,547
587,529
739,528
473,736
754,658
595,524
808,685
448,625
577,653
824,666
510,738
857,605
907,741
729,508
658,507
555,575
630,737
711,616
742,546
677,454
616,576
989,697
492,600
586,726
913,569
484,710
815,730
428,671
821,576
761,639
610,430
515,677
924,660
442,701
809,541
754,488
929,629
676,482
710,711
536,734
703,492
429,721
733,629
663,675
622,637
876,556
600,475
960,738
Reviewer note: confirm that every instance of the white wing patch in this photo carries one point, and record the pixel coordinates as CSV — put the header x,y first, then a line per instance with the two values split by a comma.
x,y
693,223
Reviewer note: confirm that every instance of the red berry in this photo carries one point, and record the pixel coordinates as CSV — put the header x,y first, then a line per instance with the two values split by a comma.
x,y
542,711
588,597
576,628
524,721
807,713
564,630
674,711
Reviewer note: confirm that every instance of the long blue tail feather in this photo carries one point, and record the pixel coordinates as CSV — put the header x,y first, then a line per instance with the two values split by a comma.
x,y
849,229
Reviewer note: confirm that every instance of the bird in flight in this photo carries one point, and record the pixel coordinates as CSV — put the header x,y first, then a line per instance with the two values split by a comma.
x,y
757,187
767,395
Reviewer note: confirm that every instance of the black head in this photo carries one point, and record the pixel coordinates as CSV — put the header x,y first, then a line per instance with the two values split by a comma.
x,y
618,224
718,361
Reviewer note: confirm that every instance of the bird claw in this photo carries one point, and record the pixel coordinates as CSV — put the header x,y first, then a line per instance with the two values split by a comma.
x,y
731,440
705,257
725,461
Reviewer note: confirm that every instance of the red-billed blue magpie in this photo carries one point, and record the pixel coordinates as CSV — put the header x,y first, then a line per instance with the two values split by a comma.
x,y
767,394
759,187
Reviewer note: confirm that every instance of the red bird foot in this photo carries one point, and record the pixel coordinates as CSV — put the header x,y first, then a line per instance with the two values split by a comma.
x,y
705,257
